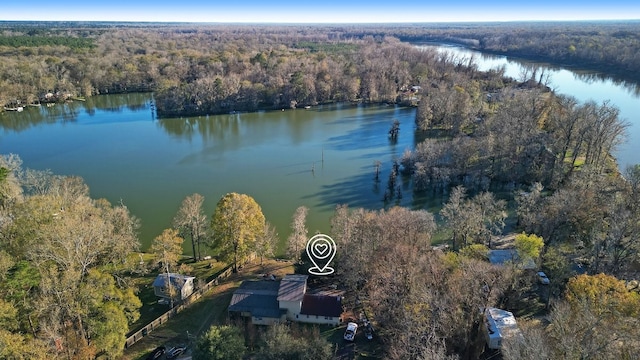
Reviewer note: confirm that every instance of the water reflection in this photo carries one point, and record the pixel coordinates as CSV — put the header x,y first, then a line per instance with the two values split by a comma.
x,y
487,61
69,111
594,77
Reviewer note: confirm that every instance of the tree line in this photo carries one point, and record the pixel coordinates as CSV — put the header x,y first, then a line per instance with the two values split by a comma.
x,y
612,47
35,41
213,69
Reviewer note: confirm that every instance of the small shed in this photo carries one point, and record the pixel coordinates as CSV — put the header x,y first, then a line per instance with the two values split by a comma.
x,y
178,285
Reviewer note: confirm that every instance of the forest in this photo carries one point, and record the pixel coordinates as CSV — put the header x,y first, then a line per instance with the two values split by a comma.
x,y
506,155
216,69
607,46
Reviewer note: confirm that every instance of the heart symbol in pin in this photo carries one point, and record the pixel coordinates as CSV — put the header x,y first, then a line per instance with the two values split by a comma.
x,y
321,250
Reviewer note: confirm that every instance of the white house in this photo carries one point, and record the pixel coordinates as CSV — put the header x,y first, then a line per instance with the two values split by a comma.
x,y
268,302
501,324
291,293
181,286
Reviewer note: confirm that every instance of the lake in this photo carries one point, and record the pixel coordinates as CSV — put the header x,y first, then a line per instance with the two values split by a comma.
x,y
317,157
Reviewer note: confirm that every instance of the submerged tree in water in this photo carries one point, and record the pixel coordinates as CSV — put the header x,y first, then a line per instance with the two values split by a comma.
x,y
395,129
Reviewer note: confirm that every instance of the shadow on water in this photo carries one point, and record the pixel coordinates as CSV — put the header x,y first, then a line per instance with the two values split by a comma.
x,y
351,191
372,131
365,191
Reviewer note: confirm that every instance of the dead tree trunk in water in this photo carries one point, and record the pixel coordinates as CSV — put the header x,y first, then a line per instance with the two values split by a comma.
x,y
395,128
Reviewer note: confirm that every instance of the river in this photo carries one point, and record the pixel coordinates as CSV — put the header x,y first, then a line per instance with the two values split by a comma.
x,y
317,157
584,85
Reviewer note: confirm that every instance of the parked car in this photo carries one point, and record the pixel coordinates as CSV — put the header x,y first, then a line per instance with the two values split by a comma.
x,y
157,353
542,278
368,331
350,333
176,351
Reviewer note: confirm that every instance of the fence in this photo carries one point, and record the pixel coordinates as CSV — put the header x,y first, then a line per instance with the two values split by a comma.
x,y
134,338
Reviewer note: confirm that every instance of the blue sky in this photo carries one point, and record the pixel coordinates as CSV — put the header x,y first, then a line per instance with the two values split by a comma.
x,y
327,11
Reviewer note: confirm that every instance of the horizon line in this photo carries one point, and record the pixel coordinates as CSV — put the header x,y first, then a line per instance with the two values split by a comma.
x,y
322,23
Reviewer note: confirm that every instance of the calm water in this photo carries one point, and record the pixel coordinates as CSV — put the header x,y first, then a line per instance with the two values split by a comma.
x,y
115,144
583,85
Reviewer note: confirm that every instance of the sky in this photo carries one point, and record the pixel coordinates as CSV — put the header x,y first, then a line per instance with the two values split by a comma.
x,y
325,11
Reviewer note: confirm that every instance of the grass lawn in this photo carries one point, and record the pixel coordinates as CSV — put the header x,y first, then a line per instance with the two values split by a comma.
x,y
209,310
150,310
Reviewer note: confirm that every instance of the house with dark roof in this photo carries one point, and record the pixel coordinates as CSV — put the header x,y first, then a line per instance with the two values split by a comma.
x,y
510,256
269,302
176,287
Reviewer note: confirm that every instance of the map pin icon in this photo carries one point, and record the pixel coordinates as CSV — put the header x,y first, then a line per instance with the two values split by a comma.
x,y
321,249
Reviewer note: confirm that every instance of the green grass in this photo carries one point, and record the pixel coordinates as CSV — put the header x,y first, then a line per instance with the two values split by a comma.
x,y
210,309
150,310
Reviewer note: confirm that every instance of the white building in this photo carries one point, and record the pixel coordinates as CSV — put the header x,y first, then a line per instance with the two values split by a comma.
x,y
269,302
176,286
291,294
501,324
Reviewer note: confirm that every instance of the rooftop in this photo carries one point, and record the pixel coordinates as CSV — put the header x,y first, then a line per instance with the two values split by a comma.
x,y
177,280
256,297
321,305
501,323
292,288
504,256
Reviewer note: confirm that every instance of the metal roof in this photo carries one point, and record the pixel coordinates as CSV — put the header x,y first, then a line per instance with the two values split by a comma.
x,y
504,256
321,305
257,298
501,323
177,280
292,288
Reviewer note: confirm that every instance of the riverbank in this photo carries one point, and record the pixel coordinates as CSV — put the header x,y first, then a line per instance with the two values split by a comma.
x,y
621,74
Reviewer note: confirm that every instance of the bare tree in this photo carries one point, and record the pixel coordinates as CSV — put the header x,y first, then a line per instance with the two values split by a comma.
x,y
266,244
167,248
191,221
532,345
298,238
